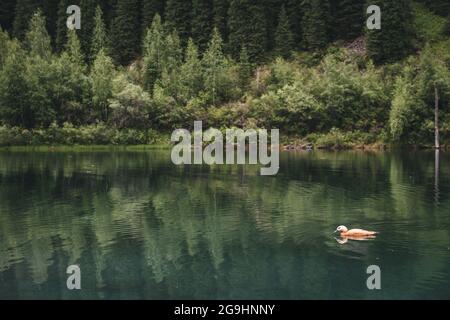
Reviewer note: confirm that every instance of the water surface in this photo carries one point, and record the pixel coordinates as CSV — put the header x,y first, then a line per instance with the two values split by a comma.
x,y
142,228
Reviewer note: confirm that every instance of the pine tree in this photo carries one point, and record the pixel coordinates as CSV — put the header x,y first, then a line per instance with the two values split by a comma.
x,y
295,14
315,24
88,8
73,50
394,40
4,40
214,64
284,40
271,9
149,9
178,17
14,102
99,40
154,51
102,74
23,11
220,13
125,31
247,25
37,38
61,27
202,20
245,69
349,19
191,77
50,9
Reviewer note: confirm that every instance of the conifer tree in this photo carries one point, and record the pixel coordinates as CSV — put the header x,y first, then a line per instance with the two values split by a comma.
x,y
37,38
154,51
73,50
202,21
4,40
14,101
214,64
50,10
125,34
23,11
284,41
294,12
220,13
394,40
245,69
247,25
99,39
191,76
349,19
149,9
61,27
315,24
178,16
102,74
88,8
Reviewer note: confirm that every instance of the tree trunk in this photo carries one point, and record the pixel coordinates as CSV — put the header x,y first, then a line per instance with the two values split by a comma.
x,y
436,119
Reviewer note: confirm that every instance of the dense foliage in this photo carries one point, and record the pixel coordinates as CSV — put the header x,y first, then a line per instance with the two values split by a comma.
x,y
141,67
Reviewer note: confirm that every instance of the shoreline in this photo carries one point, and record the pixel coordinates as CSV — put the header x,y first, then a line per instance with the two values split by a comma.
x,y
380,147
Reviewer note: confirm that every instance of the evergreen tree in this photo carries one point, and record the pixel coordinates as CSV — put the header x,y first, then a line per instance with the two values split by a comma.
x,y
246,25
14,102
149,9
73,50
125,31
178,17
99,40
349,19
220,13
73,101
284,39
50,9
4,40
214,65
191,77
37,38
61,27
23,11
202,21
102,74
154,51
88,8
394,40
271,10
245,69
294,11
315,24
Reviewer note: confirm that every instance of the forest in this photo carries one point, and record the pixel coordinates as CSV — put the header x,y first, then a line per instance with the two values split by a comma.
x,y
137,70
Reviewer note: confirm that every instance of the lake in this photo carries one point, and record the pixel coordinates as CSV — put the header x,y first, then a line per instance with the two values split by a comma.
x,y
142,228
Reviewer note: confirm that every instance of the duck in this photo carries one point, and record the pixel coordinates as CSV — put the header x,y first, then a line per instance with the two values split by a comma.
x,y
354,233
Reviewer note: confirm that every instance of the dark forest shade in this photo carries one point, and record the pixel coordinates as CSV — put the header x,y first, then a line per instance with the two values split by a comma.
x,y
316,24
247,26
149,9
202,22
394,40
178,16
126,39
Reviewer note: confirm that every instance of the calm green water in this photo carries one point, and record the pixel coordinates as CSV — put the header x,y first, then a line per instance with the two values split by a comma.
x,y
142,228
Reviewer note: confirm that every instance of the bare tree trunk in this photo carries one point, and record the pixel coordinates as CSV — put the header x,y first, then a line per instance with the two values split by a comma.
x,y
436,176
436,118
